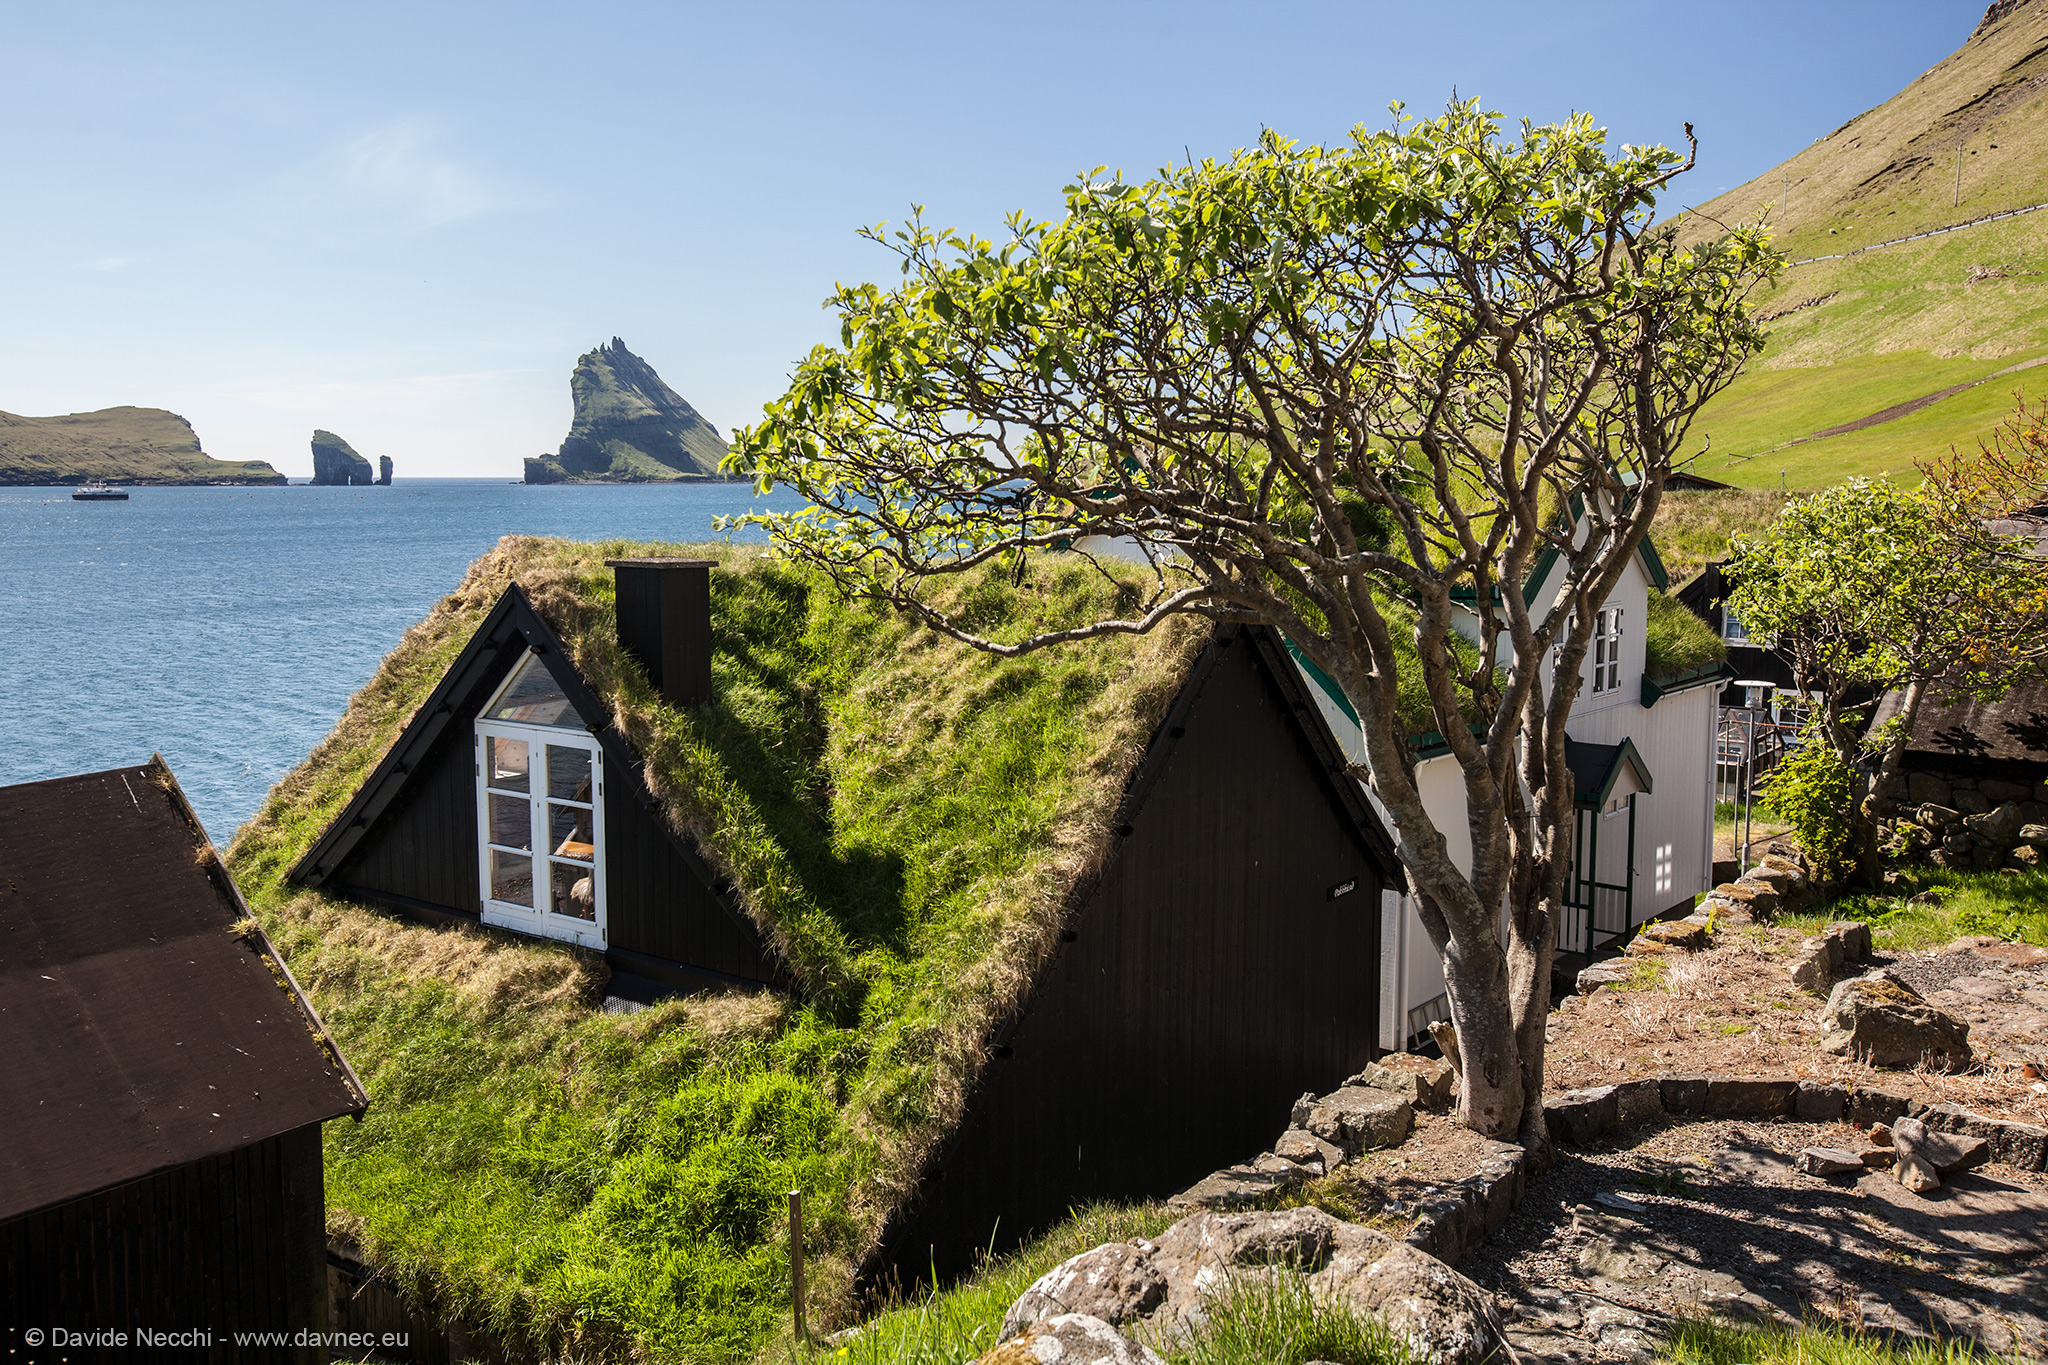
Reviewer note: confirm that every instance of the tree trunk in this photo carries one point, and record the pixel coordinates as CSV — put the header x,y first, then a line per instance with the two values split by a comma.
x,y
1869,855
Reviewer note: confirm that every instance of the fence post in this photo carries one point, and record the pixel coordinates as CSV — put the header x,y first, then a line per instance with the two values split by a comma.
x,y
796,1261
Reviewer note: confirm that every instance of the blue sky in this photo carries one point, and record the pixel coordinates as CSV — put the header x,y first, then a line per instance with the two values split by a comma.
x,y
404,222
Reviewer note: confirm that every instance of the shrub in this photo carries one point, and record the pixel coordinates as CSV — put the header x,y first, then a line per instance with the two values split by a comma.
x,y
1814,791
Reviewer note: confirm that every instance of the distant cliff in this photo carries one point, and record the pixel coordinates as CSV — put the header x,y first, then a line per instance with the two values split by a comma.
x,y
335,462
121,445
629,427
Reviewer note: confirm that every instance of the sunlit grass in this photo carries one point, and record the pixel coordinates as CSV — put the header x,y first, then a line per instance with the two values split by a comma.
x,y
2007,904
1712,1342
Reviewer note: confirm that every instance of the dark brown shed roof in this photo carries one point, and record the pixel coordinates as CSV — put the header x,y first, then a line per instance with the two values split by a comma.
x,y
2009,733
139,1031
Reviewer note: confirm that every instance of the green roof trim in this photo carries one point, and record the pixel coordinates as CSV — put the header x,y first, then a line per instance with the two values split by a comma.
x,y
1322,680
1653,564
1602,762
1656,689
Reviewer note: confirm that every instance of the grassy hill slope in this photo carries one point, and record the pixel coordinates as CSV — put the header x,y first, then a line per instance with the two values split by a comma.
x,y
1862,329
123,445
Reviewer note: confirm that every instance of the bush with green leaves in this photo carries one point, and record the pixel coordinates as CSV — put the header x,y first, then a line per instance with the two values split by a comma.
x,y
1814,791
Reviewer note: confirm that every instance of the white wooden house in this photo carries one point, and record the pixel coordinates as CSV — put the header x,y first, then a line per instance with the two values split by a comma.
x,y
1642,752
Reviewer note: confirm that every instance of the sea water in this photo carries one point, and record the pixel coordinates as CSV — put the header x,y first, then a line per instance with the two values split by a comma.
x,y
226,627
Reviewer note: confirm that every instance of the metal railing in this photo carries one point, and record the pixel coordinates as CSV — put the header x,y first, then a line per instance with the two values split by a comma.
x,y
1750,741
1597,914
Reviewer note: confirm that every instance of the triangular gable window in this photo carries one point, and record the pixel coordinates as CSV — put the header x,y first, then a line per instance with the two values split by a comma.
x,y
533,697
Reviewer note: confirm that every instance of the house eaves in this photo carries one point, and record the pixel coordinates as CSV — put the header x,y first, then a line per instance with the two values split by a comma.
x,y
1656,689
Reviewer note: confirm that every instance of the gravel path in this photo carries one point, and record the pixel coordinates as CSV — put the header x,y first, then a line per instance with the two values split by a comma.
x,y
1612,1244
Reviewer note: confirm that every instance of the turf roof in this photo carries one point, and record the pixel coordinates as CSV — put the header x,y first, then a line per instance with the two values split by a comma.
x,y
904,818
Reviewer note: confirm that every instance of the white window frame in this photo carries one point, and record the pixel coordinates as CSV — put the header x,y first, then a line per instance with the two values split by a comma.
x,y
537,919
1607,650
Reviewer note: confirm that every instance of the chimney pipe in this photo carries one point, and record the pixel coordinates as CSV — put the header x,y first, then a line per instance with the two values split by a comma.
x,y
665,622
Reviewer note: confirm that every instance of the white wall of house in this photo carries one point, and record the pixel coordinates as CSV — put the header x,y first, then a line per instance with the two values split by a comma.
x,y
1674,820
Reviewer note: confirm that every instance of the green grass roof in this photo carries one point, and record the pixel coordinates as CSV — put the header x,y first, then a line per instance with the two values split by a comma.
x,y
903,817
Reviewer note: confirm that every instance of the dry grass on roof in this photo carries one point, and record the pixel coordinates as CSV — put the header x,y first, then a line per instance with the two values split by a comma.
x,y
905,819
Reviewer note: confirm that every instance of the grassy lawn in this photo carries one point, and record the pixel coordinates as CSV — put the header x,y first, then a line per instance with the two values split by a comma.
x,y
2007,905
1719,1343
1882,329
1764,825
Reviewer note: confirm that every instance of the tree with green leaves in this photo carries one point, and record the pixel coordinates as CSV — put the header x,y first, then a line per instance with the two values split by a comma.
x,y
1346,392
1871,586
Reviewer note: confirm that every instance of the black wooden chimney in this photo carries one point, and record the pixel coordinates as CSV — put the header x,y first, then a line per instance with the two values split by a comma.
x,y
665,623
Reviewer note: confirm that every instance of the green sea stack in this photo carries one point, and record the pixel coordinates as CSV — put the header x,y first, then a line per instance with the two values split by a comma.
x,y
629,427
336,464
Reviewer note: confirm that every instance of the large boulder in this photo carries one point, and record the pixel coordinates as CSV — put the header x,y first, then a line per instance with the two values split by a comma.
x,y
1886,1023
1425,1082
2000,828
1252,1182
1841,942
1164,1290
1664,936
1355,1118
1760,901
1071,1339
1924,1156
1440,1314
1117,1282
1926,789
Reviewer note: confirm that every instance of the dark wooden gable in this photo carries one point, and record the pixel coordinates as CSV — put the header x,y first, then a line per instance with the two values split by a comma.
x,y
408,837
1226,961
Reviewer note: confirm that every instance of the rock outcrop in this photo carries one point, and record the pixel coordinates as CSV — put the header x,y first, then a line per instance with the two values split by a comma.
x,y
384,471
629,427
1171,1285
336,464
121,445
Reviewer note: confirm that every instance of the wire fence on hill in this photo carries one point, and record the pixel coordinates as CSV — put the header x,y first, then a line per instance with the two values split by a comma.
x,y
1916,236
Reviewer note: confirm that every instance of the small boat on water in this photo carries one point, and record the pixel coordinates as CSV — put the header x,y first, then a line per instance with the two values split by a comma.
x,y
99,490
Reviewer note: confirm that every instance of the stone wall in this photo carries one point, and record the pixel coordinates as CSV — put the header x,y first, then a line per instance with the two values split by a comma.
x,y
1952,819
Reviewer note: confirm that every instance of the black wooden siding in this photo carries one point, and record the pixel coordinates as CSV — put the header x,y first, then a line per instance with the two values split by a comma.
x,y
236,1241
421,853
1209,984
656,904
424,847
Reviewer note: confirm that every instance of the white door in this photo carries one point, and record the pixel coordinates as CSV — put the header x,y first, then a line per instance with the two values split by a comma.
x,y
540,815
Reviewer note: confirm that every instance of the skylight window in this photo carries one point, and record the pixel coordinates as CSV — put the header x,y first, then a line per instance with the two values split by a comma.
x,y
533,697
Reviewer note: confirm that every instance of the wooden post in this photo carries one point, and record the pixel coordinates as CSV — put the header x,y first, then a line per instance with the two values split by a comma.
x,y
796,1261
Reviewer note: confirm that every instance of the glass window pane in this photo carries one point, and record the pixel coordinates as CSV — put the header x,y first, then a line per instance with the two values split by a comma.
x,y
568,773
505,763
534,698
572,891
512,878
511,821
569,831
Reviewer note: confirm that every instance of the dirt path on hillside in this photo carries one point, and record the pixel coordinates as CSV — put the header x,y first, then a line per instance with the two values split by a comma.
x,y
1898,410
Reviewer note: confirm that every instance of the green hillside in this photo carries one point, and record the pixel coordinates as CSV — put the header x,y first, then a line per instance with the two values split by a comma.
x,y
1865,335
630,427
121,445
